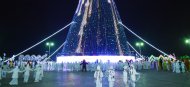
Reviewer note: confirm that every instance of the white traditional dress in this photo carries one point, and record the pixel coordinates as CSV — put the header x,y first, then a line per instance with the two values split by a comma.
x,y
183,67
98,77
15,72
125,75
173,66
27,73
111,76
38,73
177,67
133,77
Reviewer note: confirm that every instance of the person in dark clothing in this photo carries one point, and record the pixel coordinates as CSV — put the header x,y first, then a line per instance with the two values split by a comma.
x,y
161,61
84,63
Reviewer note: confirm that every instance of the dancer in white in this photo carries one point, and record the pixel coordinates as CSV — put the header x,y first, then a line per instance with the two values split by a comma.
x,y
111,76
133,74
15,72
174,66
139,65
125,75
38,73
27,73
41,71
177,67
182,67
98,77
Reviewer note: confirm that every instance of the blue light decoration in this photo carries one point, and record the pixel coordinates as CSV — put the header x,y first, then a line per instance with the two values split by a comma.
x,y
97,30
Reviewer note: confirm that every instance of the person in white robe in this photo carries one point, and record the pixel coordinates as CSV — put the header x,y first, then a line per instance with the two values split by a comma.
x,y
139,65
41,71
125,75
177,67
27,73
173,66
15,76
59,67
37,73
133,76
111,76
98,77
78,66
182,67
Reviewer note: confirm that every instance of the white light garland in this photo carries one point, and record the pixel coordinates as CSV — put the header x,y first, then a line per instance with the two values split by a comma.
x,y
40,42
142,39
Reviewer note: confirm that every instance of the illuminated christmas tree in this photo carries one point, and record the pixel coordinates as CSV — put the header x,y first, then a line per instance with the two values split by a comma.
x,y
96,31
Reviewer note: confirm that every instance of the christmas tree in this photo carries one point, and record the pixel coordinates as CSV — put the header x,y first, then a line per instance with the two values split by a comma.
x,y
97,30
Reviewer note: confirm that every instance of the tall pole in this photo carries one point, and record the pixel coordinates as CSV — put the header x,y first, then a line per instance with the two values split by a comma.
x,y
49,44
140,49
139,45
49,49
4,56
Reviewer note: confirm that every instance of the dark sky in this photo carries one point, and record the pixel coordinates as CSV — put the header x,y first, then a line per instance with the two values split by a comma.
x,y
164,23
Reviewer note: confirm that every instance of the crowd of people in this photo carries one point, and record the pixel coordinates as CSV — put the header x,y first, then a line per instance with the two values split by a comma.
x,y
165,64
159,64
15,67
130,76
128,67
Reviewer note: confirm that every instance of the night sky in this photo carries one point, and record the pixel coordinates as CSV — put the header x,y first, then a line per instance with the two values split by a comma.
x,y
163,23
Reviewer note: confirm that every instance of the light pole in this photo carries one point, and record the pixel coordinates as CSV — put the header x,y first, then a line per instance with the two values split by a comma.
x,y
4,56
140,44
49,44
187,41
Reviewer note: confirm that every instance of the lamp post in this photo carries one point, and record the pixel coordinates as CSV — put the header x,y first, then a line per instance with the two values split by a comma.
x,y
187,41
140,44
4,56
49,44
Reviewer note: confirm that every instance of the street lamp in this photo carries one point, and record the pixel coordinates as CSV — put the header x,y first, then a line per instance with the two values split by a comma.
x,y
140,44
49,44
187,41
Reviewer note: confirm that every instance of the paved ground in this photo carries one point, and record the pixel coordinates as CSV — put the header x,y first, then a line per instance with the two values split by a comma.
x,y
149,78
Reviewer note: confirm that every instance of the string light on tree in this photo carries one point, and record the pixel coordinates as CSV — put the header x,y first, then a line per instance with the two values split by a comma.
x,y
97,31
